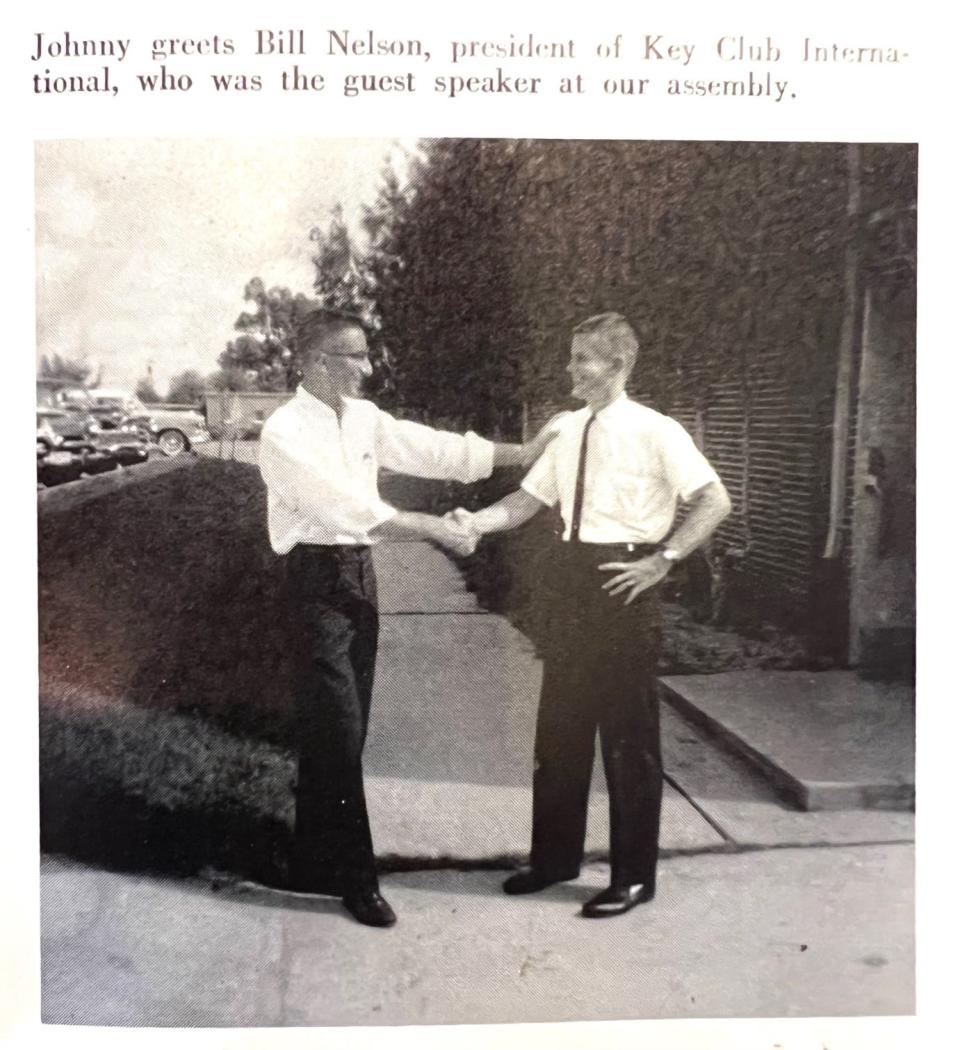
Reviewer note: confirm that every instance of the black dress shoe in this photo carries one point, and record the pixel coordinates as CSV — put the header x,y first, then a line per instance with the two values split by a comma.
x,y
369,908
615,900
529,880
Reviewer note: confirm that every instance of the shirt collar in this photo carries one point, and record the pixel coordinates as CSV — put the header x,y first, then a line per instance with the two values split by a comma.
x,y
613,407
311,403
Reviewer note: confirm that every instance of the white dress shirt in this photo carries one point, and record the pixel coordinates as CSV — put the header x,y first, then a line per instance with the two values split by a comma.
x,y
321,471
639,464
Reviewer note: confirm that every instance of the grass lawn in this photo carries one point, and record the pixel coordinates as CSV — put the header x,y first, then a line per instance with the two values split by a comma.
x,y
167,596
164,715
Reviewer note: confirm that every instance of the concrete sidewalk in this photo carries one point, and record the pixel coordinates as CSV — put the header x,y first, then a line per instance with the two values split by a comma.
x,y
784,933
735,930
449,756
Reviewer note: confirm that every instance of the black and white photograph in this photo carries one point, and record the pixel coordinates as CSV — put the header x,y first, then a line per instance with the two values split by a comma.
x,y
476,579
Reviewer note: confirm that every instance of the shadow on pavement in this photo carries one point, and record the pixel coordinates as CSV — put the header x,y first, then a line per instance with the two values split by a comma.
x,y
123,833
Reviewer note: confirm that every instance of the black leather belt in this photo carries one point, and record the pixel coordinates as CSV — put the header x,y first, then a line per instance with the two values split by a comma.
x,y
347,550
634,550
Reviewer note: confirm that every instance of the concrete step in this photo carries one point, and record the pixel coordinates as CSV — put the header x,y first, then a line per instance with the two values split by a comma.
x,y
824,740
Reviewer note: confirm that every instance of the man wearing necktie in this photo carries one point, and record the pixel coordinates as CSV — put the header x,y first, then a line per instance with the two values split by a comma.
x,y
618,470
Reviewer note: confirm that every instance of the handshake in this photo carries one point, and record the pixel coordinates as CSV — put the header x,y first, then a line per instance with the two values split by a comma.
x,y
458,532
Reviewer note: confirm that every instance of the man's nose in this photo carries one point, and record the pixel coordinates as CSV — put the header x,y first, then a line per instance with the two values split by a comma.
x,y
366,369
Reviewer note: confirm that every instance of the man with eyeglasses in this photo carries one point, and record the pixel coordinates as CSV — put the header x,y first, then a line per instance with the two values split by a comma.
x,y
319,457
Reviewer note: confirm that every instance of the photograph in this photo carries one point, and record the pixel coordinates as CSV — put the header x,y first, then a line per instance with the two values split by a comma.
x,y
444,543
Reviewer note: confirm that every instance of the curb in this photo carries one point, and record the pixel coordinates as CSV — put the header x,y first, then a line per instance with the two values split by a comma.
x,y
73,494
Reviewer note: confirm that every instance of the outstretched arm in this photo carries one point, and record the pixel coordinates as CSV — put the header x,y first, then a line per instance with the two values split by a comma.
x,y
412,448
455,535
507,455
513,510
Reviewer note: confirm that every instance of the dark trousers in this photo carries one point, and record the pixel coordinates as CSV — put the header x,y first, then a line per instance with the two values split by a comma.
x,y
333,592
599,675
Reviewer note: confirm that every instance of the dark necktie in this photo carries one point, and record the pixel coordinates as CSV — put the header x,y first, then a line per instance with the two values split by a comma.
x,y
581,478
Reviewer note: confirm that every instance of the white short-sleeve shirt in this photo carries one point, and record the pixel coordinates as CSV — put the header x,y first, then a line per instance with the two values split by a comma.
x,y
321,470
640,464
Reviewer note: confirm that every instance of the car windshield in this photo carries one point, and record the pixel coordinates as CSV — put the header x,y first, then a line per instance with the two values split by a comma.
x,y
128,403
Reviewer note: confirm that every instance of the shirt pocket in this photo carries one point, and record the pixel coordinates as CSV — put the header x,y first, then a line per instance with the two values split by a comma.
x,y
618,493
630,491
368,466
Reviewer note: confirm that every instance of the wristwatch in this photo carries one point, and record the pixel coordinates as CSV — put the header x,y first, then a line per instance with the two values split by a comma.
x,y
669,554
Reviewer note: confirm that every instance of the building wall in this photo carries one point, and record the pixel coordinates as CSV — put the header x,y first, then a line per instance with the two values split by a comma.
x,y
228,412
766,445
883,534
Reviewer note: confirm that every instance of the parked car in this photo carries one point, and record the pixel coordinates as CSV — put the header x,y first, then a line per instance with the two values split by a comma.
x,y
112,413
71,415
175,428
54,462
126,443
119,436
65,450
63,430
48,440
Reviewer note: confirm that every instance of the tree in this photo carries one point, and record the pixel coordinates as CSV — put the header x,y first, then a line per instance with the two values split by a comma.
x,y
265,350
186,388
443,287
383,265
264,355
58,366
340,279
726,256
233,379
147,392
345,281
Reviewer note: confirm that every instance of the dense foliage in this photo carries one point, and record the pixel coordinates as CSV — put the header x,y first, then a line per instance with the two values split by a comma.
x,y
186,388
728,257
263,355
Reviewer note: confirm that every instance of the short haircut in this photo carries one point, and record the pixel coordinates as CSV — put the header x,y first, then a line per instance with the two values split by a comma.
x,y
614,336
319,324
